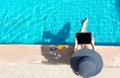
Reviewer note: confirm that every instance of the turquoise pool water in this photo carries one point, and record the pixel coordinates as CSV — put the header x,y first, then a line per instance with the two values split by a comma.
x,y
57,21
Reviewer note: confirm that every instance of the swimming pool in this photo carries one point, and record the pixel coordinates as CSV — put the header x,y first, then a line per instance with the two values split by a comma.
x,y
57,21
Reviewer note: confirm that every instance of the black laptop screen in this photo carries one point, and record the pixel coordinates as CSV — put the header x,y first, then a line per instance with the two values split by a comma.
x,y
83,37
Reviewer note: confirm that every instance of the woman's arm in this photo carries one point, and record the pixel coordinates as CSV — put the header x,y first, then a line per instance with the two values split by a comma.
x,y
93,46
92,43
76,46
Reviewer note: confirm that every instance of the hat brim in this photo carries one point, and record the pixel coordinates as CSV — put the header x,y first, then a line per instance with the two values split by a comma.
x,y
90,53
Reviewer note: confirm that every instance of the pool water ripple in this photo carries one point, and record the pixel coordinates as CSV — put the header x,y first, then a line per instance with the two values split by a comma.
x,y
57,21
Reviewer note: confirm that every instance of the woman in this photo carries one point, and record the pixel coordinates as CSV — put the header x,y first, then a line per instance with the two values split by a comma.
x,y
89,46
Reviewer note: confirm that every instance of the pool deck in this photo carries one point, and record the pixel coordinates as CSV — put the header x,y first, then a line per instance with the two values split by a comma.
x,y
40,54
34,57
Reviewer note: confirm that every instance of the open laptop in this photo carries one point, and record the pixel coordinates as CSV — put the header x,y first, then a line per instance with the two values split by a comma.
x,y
84,37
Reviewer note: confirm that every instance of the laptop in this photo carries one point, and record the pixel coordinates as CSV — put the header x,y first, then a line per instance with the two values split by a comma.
x,y
84,37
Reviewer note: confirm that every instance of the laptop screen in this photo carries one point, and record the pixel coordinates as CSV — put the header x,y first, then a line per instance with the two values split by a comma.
x,y
83,37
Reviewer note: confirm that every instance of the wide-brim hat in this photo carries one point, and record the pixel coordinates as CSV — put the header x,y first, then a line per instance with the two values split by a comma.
x,y
86,62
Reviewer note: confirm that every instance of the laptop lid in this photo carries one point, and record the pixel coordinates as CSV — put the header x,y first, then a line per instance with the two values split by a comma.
x,y
83,37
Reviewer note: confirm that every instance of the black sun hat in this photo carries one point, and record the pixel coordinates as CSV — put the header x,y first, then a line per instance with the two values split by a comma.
x,y
86,62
